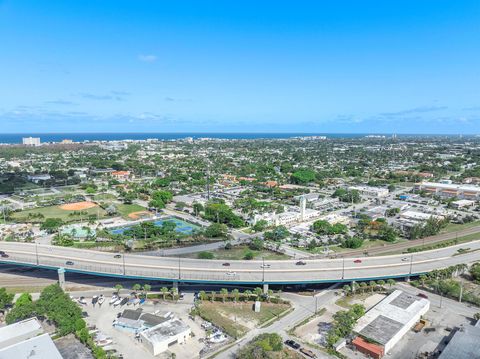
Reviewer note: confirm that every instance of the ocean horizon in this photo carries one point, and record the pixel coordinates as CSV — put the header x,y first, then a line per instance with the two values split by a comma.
x,y
16,138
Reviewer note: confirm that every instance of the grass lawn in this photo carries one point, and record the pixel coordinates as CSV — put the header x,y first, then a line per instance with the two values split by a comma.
x,y
126,209
230,316
366,245
104,197
238,252
453,227
56,212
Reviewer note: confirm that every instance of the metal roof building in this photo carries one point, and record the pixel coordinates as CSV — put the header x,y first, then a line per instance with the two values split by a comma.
x,y
465,344
387,322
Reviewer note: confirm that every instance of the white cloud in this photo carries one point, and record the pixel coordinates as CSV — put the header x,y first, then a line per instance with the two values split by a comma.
x,y
147,58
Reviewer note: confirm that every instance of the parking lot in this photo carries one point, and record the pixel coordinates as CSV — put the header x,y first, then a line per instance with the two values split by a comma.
x,y
124,342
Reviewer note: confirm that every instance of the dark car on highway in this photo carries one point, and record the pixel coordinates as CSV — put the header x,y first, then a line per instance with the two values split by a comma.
x,y
226,264
117,256
301,263
69,263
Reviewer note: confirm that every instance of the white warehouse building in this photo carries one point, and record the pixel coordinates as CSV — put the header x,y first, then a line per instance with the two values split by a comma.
x,y
387,322
160,337
370,191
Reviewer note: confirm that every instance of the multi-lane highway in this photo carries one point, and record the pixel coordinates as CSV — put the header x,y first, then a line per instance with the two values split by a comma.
x,y
254,272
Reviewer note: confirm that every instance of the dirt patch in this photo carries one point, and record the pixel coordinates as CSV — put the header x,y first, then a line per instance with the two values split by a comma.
x,y
78,206
139,214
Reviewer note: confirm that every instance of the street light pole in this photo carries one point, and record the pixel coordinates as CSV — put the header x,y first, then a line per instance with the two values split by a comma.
x,y
36,252
179,271
343,267
263,269
411,264
123,260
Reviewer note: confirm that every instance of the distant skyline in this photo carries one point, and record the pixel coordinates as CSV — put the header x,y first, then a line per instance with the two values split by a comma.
x,y
251,66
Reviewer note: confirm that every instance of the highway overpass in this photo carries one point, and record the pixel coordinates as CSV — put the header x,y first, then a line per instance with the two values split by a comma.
x,y
237,271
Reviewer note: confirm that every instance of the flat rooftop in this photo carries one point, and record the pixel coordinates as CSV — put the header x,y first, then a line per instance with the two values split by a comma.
x,y
9,333
165,330
465,344
40,347
381,323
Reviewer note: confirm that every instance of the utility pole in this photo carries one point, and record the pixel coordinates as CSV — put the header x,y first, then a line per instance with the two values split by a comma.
x,y
36,252
263,269
343,267
461,291
179,270
411,264
123,259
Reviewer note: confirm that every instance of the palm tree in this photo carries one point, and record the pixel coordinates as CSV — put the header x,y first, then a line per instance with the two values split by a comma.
x,y
146,288
235,293
346,289
136,287
363,285
381,283
391,282
258,292
212,295
248,294
476,316
372,285
118,288
202,294
173,292
269,294
164,291
423,278
224,293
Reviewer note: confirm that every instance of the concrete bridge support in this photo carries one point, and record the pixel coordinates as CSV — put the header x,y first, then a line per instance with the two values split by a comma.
x,y
265,288
61,277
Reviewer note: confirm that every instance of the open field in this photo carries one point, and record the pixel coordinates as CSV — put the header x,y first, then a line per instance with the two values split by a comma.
x,y
452,227
125,210
237,318
30,215
78,206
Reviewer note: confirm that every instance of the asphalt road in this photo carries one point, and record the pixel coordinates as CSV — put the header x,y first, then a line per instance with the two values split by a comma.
x,y
240,271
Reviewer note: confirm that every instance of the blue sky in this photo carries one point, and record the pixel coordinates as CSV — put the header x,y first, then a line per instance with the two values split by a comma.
x,y
240,66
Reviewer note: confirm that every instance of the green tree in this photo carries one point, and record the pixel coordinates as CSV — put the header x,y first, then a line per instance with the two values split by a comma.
x,y
5,298
25,298
260,225
51,225
118,288
164,291
216,230
224,294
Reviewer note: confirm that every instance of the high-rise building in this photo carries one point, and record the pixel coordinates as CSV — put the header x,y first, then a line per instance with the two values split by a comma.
x,y
31,141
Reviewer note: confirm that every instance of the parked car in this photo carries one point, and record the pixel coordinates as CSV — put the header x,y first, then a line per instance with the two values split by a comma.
x,y
292,344
301,263
422,295
124,301
69,263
